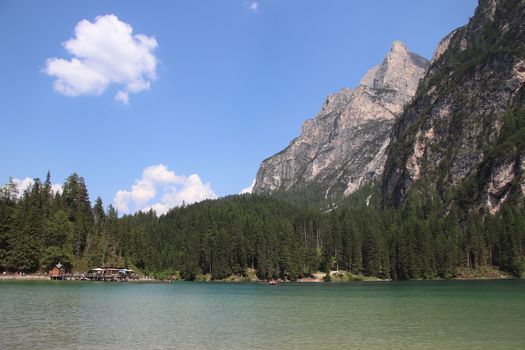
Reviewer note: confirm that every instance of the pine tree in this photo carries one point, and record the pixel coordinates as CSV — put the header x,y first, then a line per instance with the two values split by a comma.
x,y
8,207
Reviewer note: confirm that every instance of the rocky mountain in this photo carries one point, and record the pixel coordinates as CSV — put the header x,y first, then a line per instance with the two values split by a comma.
x,y
463,135
343,147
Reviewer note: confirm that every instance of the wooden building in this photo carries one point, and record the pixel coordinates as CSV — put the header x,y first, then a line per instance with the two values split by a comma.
x,y
57,272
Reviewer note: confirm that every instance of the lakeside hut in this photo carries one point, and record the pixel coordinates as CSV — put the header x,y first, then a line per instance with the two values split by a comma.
x,y
57,272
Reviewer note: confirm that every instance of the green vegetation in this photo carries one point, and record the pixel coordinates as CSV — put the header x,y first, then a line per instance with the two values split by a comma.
x,y
247,237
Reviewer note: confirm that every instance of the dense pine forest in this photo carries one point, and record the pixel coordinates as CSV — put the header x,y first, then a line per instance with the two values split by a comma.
x,y
224,237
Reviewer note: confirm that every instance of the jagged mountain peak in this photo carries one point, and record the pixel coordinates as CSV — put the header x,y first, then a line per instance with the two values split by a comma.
x,y
399,47
397,70
342,148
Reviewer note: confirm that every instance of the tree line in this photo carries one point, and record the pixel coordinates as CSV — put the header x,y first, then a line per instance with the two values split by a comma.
x,y
420,239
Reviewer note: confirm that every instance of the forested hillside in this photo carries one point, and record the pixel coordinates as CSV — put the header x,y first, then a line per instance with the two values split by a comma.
x,y
230,235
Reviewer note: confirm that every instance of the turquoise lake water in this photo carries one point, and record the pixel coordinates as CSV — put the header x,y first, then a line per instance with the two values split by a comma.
x,y
186,315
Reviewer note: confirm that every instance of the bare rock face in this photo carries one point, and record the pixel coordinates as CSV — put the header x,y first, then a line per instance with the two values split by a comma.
x,y
442,46
461,131
343,147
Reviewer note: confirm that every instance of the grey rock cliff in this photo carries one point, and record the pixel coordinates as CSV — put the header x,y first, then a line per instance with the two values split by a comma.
x,y
343,147
450,136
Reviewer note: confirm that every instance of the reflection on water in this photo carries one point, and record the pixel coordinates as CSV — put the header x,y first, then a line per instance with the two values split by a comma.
x,y
409,315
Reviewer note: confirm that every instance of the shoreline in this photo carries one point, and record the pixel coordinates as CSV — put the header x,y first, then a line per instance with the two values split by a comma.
x,y
36,277
43,277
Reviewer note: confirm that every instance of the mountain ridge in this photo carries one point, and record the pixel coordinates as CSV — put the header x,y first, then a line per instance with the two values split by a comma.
x,y
448,134
348,134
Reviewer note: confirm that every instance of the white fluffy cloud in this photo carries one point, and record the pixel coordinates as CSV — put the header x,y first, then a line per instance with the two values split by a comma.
x,y
248,189
22,184
163,185
57,188
252,6
105,52
25,183
122,97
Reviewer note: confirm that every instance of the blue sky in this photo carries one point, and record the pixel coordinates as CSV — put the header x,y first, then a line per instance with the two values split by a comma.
x,y
230,84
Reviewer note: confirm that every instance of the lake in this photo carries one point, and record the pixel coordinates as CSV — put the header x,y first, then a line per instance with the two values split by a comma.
x,y
187,315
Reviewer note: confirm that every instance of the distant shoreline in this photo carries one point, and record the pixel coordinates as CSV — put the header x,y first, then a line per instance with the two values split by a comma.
x,y
43,277
38,277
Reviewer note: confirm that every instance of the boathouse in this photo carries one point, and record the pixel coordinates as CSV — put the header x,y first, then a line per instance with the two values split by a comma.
x,y
57,272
